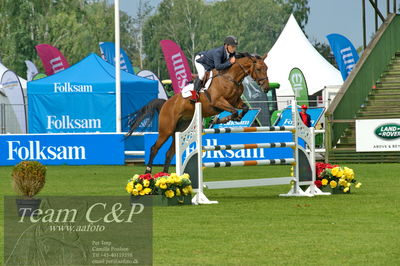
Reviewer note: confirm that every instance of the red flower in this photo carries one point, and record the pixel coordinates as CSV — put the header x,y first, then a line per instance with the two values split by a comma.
x,y
329,166
318,183
145,176
319,168
160,174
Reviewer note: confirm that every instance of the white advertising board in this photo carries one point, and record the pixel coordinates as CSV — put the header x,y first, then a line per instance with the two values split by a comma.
x,y
377,135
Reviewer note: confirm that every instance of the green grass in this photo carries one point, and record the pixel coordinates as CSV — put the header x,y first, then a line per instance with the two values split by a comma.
x,y
253,226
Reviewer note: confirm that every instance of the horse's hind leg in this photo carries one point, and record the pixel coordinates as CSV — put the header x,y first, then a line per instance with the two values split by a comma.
x,y
169,155
182,125
162,138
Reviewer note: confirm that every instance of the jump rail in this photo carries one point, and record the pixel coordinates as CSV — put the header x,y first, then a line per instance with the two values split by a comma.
x,y
302,161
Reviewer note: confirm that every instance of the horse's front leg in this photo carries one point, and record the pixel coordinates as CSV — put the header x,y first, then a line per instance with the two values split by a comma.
x,y
223,104
244,108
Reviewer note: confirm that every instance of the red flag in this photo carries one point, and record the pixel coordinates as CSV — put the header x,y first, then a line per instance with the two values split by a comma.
x,y
177,64
52,59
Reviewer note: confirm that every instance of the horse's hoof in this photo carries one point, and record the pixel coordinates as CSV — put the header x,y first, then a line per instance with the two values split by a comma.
x,y
148,170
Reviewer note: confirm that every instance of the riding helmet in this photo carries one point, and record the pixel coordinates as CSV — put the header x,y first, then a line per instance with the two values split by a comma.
x,y
231,40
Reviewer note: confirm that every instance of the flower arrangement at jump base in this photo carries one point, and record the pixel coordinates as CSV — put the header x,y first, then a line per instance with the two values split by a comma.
x,y
339,179
169,186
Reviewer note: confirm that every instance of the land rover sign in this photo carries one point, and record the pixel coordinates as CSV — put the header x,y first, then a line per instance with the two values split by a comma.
x,y
388,131
377,135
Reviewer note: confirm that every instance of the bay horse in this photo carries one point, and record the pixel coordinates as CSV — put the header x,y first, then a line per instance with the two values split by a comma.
x,y
224,94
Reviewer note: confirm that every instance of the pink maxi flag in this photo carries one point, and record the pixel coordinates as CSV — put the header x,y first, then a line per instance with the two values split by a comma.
x,y
52,59
177,64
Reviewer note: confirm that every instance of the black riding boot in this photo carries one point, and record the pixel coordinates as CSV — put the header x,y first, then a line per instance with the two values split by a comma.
x,y
196,89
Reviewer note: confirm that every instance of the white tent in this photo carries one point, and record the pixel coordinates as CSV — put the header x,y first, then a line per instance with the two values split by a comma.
x,y
292,49
4,69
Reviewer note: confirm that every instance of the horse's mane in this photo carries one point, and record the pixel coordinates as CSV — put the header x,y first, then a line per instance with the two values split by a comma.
x,y
246,54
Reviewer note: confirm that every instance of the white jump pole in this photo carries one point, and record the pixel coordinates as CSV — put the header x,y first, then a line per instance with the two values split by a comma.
x,y
117,69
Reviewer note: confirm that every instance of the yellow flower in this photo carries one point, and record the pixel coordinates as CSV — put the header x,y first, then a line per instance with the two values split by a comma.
x,y
158,182
342,182
163,186
335,170
348,173
340,173
146,183
324,182
170,180
135,176
129,187
178,180
163,180
346,189
169,193
173,175
139,187
189,189
141,193
147,191
135,192
185,176
178,192
333,184
348,184
358,185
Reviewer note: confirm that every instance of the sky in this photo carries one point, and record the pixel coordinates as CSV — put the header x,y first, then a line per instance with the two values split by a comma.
x,y
325,17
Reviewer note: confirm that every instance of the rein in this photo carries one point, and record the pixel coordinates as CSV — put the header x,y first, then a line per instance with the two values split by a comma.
x,y
246,72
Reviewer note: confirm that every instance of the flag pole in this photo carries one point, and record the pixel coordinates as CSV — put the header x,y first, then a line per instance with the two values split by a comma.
x,y
117,69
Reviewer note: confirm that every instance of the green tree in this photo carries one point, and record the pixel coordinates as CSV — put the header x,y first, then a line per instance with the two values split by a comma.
x,y
75,27
197,25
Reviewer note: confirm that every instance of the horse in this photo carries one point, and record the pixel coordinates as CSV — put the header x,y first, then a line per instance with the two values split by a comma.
x,y
223,94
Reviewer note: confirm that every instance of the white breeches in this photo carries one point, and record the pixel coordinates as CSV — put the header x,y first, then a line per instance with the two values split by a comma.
x,y
199,67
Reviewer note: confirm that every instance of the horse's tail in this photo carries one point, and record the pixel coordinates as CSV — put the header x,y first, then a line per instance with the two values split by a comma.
x,y
146,112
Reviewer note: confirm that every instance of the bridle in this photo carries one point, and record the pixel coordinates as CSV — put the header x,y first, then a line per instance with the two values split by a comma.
x,y
248,72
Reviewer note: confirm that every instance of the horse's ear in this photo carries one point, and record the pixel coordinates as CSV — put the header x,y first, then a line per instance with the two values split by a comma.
x,y
264,56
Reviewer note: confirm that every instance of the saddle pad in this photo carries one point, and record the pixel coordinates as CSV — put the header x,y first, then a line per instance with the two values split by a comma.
x,y
186,91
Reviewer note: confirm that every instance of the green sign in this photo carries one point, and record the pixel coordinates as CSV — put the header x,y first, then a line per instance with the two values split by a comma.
x,y
299,86
388,131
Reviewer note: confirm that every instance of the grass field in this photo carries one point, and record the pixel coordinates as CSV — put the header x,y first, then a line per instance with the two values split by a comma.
x,y
253,226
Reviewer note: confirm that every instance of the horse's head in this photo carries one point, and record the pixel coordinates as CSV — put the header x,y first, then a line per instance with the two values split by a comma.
x,y
257,69
259,72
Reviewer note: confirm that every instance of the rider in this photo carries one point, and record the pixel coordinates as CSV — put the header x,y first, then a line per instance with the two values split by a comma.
x,y
219,58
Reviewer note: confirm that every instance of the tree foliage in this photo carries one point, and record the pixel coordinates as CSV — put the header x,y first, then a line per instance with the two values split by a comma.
x,y
198,25
75,27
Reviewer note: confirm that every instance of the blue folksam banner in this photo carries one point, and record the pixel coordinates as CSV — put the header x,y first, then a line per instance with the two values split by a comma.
x,y
229,155
246,121
81,99
285,119
346,55
108,53
60,149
